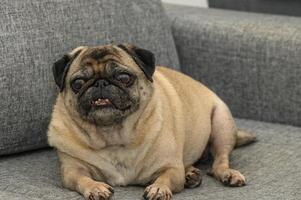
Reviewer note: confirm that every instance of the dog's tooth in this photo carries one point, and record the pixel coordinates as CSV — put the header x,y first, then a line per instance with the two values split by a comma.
x,y
101,102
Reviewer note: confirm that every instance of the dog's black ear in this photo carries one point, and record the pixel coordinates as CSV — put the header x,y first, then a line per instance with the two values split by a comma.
x,y
60,68
145,59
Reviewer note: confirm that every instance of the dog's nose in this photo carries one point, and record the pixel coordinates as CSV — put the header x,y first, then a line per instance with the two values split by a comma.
x,y
101,83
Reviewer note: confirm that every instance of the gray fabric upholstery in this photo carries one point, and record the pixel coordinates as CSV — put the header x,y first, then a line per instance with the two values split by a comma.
x,y
252,61
285,7
34,33
271,165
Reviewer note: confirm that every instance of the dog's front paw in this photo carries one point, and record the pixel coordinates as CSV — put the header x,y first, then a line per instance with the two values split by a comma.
x,y
99,191
229,177
157,192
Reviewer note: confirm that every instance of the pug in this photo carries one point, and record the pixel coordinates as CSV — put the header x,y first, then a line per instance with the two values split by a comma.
x,y
120,120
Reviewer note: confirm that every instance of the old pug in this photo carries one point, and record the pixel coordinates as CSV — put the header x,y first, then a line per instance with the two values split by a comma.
x,y
117,121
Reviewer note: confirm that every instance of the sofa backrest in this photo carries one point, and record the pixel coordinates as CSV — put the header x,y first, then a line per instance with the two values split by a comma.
x,y
34,33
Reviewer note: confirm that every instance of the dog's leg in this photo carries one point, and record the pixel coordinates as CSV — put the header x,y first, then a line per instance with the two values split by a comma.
x,y
171,180
193,177
222,142
77,176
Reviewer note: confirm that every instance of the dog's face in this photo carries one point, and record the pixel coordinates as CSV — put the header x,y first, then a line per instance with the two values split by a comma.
x,y
105,84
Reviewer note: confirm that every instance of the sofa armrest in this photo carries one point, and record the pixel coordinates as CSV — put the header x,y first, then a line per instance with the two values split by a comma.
x,y
252,61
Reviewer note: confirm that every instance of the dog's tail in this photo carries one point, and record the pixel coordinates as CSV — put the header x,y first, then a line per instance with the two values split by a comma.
x,y
243,138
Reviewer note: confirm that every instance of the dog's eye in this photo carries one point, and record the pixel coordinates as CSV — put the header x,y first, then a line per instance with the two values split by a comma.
x,y
124,78
77,84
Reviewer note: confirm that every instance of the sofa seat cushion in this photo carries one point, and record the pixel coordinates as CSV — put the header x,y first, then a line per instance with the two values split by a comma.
x,y
271,166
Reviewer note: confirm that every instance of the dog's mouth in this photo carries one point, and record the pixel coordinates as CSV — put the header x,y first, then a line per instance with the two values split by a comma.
x,y
101,102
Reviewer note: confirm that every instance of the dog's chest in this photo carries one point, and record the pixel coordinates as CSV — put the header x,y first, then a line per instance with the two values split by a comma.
x,y
120,161
120,166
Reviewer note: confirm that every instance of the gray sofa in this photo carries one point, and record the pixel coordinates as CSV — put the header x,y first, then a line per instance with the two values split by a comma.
x,y
252,61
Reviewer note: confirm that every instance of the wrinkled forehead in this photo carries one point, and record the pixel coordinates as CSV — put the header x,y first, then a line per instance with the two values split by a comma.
x,y
98,57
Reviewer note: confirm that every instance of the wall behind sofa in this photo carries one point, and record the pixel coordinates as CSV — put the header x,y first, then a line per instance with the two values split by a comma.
x,y
199,3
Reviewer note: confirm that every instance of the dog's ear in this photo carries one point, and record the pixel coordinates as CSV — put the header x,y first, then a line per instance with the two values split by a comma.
x,y
60,67
145,59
